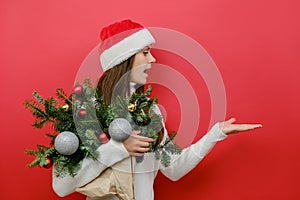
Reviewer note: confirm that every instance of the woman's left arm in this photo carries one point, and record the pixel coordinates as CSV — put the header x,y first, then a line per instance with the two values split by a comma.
x,y
192,155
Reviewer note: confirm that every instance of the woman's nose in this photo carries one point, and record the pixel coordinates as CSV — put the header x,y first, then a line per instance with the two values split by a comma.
x,y
151,58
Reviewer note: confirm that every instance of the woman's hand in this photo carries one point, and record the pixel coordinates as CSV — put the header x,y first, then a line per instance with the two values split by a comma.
x,y
137,145
229,128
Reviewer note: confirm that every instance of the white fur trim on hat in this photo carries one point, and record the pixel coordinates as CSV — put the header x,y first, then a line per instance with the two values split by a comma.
x,y
127,47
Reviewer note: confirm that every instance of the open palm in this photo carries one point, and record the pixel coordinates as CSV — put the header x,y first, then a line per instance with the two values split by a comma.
x,y
229,128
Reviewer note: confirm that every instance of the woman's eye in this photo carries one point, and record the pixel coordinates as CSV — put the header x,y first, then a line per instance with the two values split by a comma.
x,y
145,53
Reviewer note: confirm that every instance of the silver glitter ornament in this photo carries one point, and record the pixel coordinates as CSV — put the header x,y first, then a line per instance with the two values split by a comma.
x,y
119,129
66,143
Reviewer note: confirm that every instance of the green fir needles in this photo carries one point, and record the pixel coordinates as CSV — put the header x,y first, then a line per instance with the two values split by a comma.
x,y
85,114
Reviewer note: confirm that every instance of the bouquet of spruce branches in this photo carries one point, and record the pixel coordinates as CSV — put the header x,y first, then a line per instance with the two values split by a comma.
x,y
85,114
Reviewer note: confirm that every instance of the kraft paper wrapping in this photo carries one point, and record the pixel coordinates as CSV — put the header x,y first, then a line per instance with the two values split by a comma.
x,y
116,180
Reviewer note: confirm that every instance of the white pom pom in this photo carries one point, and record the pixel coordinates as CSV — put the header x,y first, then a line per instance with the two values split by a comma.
x,y
119,129
66,143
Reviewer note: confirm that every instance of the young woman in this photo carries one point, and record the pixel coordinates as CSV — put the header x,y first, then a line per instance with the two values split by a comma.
x,y
125,55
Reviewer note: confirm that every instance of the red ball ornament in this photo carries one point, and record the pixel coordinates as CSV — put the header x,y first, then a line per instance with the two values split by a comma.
x,y
103,137
49,163
82,112
78,89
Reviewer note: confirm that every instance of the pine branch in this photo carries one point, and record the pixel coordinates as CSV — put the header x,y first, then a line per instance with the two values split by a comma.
x,y
87,129
41,154
50,109
42,148
35,109
87,83
39,97
36,162
50,135
32,152
62,95
165,159
42,116
40,123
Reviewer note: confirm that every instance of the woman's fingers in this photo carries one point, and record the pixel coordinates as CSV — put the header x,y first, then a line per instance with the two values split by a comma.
x,y
136,135
228,127
135,132
144,144
250,126
230,121
245,127
142,149
137,145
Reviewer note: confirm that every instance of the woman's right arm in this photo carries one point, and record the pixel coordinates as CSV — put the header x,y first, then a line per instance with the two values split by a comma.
x,y
109,154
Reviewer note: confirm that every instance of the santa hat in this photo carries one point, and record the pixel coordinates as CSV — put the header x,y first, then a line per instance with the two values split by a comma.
x,y
121,40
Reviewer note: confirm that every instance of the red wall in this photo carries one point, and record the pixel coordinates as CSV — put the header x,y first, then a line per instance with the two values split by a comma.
x,y
254,44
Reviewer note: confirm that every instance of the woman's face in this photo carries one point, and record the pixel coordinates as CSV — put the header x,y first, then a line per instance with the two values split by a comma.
x,y
141,63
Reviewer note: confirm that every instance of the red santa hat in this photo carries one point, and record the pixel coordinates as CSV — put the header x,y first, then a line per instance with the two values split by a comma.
x,y
121,40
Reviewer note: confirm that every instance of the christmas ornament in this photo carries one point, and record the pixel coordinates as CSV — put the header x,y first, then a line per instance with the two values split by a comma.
x,y
131,107
103,137
82,112
66,107
48,111
66,143
78,89
49,163
119,129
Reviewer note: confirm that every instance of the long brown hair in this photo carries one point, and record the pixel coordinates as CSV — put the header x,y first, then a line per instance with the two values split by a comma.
x,y
117,79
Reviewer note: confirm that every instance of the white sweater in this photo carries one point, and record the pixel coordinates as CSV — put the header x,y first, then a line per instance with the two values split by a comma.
x,y
145,172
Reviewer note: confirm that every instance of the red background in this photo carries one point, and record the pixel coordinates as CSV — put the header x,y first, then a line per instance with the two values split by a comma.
x,y
254,44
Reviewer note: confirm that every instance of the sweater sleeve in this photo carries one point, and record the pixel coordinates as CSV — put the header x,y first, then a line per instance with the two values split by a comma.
x,y
109,154
192,155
